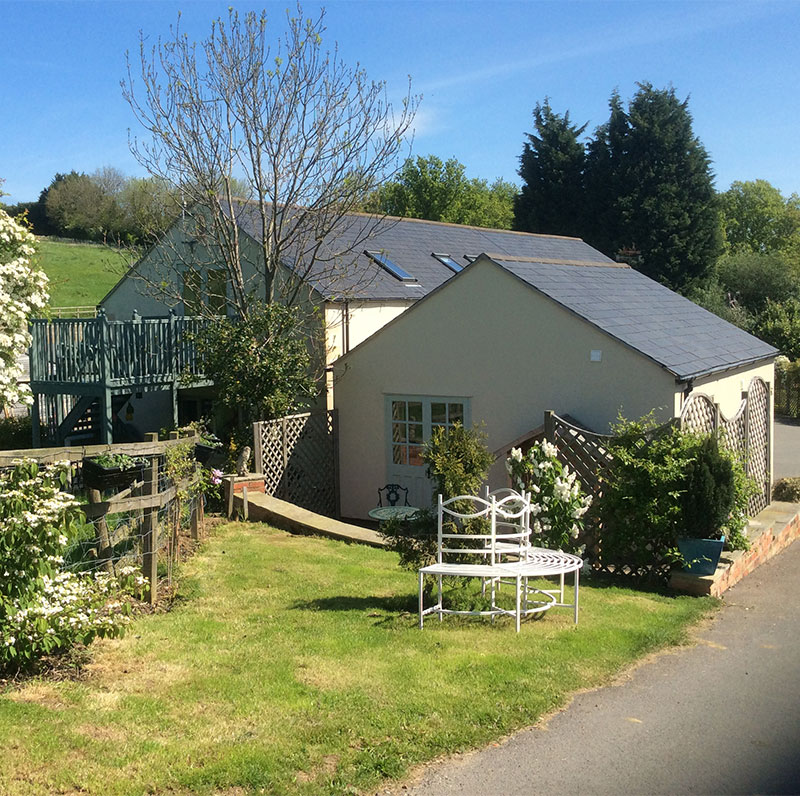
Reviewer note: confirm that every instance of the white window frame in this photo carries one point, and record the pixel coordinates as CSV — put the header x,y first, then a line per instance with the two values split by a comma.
x,y
427,424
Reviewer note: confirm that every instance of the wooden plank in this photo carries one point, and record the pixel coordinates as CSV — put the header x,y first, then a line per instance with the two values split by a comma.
x,y
150,529
130,504
78,452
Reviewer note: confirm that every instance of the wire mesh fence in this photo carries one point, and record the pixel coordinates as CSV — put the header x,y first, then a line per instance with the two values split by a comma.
x,y
146,525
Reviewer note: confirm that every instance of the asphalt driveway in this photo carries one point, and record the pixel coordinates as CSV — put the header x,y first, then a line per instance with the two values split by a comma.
x,y
722,716
786,455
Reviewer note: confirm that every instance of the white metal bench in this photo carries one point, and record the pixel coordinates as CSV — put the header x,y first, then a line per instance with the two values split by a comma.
x,y
506,553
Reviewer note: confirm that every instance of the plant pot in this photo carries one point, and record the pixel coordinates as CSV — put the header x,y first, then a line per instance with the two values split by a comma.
x,y
95,476
203,452
701,555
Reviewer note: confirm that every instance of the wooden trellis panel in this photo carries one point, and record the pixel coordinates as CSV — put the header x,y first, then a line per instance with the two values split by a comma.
x,y
747,433
758,443
297,455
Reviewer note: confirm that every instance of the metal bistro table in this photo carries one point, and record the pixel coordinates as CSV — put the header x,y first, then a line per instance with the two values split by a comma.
x,y
391,512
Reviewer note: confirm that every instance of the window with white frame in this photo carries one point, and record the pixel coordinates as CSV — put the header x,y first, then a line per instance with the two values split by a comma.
x,y
412,420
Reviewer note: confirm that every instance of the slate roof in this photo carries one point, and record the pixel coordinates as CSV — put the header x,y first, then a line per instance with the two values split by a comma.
x,y
410,243
672,331
643,314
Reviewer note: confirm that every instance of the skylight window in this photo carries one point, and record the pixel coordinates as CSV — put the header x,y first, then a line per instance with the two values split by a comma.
x,y
395,270
446,259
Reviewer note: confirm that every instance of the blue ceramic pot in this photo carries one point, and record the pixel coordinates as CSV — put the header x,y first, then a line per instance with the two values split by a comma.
x,y
702,555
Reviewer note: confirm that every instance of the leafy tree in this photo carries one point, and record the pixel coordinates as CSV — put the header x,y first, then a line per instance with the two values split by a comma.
x,y
552,168
757,218
655,174
261,364
436,190
306,135
753,279
779,325
78,207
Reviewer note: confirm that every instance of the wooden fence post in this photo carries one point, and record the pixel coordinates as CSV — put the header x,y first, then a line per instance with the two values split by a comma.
x,y
231,479
104,551
150,527
258,465
549,426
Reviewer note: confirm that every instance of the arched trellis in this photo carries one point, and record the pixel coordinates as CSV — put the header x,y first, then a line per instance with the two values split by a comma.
x,y
747,433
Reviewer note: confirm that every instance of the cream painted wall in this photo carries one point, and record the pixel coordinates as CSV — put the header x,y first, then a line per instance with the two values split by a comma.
x,y
513,352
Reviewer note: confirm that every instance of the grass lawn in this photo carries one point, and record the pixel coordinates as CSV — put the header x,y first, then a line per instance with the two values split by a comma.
x,y
80,273
295,665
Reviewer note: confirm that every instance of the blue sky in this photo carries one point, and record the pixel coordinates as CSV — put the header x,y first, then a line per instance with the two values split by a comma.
x,y
480,67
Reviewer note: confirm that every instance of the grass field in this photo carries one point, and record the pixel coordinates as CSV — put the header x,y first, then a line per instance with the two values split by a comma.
x,y
294,665
80,273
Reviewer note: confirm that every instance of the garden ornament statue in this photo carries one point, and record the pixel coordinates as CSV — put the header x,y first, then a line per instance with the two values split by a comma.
x,y
242,462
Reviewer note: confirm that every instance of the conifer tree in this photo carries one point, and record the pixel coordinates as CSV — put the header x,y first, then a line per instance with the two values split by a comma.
x,y
551,167
655,177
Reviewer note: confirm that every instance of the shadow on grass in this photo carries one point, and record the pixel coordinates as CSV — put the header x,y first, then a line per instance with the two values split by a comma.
x,y
396,604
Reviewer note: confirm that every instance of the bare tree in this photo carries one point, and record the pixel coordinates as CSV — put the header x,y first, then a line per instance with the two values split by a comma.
x,y
291,126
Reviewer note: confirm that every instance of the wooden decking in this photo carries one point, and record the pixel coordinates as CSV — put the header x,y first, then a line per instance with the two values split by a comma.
x,y
85,361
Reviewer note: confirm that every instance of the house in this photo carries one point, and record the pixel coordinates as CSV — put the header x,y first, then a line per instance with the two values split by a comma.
x,y
390,264
514,334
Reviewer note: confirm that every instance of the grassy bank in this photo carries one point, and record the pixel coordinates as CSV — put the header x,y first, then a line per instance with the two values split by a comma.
x,y
80,273
295,665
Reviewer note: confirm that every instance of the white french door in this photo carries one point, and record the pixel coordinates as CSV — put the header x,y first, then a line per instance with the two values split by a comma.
x,y
410,420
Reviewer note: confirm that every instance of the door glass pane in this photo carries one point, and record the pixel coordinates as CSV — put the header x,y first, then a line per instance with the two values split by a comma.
x,y
415,433
415,411
456,413
438,413
399,454
398,410
399,432
415,455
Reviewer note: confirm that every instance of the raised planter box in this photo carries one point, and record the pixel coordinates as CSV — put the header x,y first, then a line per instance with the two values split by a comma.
x,y
95,476
203,452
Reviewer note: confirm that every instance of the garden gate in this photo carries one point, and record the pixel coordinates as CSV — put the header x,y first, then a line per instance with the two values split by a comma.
x,y
298,457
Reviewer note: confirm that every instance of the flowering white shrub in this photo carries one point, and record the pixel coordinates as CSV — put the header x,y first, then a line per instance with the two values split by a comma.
x,y
557,500
42,608
23,291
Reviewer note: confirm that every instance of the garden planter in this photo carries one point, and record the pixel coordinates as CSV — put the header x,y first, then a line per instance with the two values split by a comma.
x,y
203,452
701,555
95,476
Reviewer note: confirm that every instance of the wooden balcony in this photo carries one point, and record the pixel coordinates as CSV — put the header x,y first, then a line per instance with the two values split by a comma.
x,y
94,358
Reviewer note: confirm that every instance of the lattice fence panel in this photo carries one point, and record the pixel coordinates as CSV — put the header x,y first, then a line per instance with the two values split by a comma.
x,y
758,443
585,452
699,414
298,460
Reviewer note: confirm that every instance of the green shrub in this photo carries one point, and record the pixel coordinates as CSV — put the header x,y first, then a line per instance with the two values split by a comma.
x,y
15,433
664,486
458,461
787,489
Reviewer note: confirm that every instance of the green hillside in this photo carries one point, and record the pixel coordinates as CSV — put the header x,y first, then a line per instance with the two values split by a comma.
x,y
80,273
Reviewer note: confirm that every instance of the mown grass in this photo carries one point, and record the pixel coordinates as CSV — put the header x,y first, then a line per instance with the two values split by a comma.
x,y
80,273
294,665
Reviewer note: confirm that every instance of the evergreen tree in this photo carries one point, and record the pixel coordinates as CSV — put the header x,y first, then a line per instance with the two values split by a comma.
x,y
656,180
551,167
605,155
